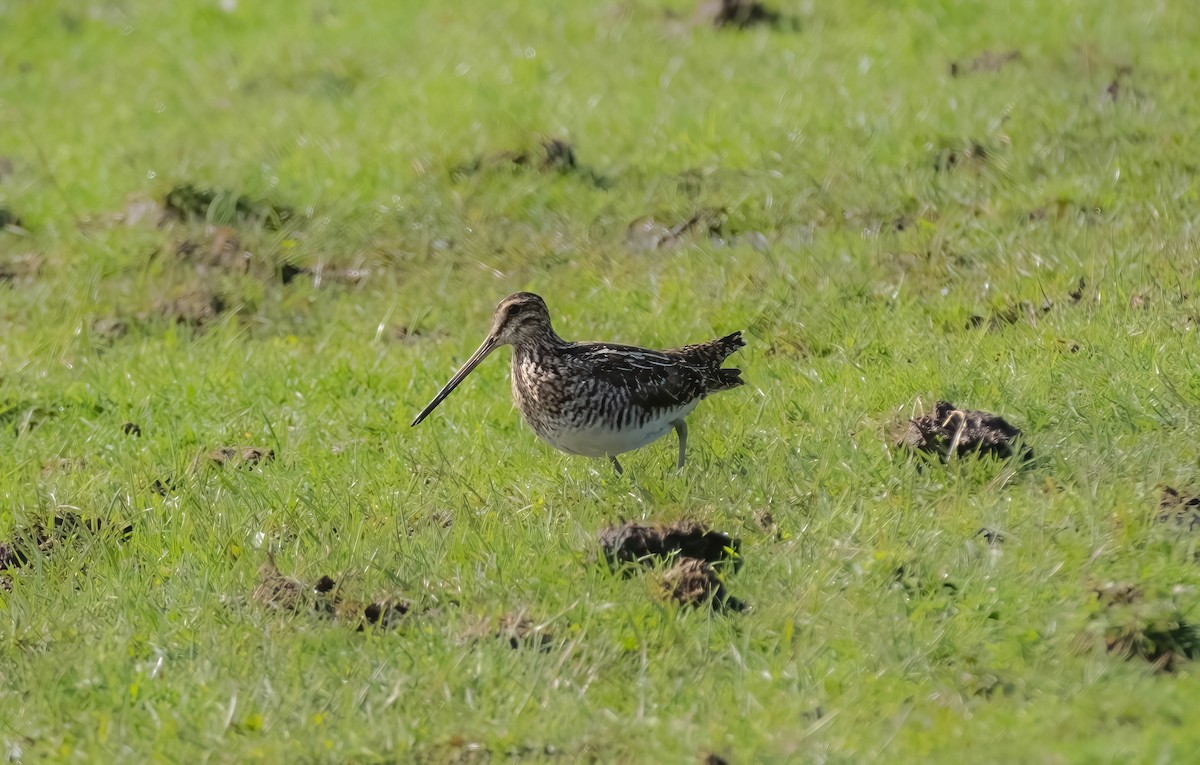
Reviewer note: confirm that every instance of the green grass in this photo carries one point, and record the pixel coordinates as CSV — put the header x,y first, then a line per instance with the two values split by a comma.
x,y
820,136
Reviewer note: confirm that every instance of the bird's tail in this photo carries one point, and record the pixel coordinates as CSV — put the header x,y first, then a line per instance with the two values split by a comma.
x,y
714,354
726,346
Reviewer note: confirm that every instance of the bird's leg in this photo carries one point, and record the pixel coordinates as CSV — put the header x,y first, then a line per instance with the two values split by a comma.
x,y
616,465
681,429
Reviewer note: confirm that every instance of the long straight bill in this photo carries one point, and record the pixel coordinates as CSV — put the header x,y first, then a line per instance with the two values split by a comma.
x,y
488,346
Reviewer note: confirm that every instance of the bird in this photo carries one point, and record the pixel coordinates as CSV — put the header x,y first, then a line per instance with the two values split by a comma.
x,y
598,399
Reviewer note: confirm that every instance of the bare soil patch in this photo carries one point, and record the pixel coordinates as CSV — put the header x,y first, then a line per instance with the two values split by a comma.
x,y
20,269
41,539
694,582
324,599
988,61
949,431
190,203
196,308
238,456
1133,627
8,218
688,549
650,543
1179,509
549,155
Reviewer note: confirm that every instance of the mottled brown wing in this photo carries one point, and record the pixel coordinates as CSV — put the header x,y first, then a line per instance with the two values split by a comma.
x,y
655,380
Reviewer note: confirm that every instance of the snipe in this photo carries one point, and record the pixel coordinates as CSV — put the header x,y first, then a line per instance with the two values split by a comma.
x,y
598,399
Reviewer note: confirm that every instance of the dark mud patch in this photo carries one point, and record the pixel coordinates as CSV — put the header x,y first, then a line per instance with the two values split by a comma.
x,y
949,431
324,599
324,274
1013,313
24,416
1131,626
21,269
286,593
652,543
1179,509
551,156
1121,88
195,308
190,203
948,158
737,14
9,218
237,456
988,61
765,521
688,549
41,539
693,582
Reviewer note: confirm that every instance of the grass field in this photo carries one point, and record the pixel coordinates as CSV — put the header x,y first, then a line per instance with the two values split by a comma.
x,y
894,208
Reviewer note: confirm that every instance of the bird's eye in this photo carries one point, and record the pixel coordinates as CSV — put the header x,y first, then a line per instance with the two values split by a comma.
x,y
514,309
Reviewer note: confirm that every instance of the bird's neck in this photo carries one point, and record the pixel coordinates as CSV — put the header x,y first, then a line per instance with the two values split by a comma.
x,y
543,343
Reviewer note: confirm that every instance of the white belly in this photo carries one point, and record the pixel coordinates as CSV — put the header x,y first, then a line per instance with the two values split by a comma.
x,y
601,441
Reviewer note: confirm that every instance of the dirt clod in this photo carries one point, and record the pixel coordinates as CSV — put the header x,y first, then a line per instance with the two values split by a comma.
x,y
324,599
1010,314
196,308
287,593
43,537
1182,510
971,154
646,233
132,429
240,456
1134,627
218,248
648,543
194,204
693,582
522,632
552,155
20,268
738,14
384,613
988,61
948,430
